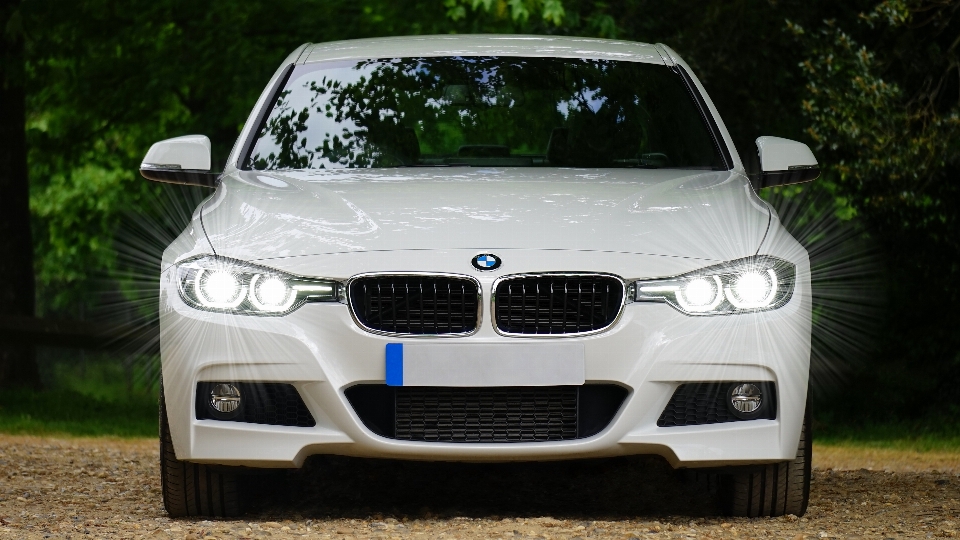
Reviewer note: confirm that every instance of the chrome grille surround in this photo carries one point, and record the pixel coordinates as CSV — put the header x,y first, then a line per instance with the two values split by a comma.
x,y
610,278
408,275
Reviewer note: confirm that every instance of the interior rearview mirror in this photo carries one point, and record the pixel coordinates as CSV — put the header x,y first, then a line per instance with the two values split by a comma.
x,y
784,162
181,160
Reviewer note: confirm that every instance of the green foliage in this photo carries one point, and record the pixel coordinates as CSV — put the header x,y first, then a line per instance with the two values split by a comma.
x,y
81,208
885,121
551,11
93,395
880,147
937,432
72,413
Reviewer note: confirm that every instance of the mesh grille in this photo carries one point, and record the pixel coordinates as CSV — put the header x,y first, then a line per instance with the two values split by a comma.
x,y
488,414
515,414
415,304
706,403
557,304
261,403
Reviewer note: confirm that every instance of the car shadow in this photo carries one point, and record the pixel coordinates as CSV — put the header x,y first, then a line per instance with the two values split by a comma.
x,y
610,489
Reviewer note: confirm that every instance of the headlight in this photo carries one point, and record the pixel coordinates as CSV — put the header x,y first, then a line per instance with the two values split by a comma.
x,y
742,286
231,286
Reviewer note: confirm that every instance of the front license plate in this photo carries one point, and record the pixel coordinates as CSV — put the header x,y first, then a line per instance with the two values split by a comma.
x,y
484,364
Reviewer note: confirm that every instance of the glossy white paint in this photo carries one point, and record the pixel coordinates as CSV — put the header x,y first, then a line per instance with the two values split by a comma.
x,y
481,45
189,152
778,154
630,223
700,214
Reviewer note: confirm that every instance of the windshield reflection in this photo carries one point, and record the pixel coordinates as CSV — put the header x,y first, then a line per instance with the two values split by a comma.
x,y
483,111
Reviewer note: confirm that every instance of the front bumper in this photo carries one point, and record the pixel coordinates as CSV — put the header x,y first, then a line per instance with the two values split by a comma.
x,y
322,352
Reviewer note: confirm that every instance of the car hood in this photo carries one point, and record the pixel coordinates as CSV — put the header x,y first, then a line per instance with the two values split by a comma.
x,y
698,214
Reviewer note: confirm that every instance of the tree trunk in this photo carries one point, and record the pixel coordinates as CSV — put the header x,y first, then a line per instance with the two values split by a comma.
x,y
18,365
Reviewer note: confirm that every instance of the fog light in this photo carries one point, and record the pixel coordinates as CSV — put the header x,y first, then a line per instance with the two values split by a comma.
x,y
224,398
746,398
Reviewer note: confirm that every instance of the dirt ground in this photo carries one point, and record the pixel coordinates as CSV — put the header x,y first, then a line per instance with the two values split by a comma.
x,y
103,488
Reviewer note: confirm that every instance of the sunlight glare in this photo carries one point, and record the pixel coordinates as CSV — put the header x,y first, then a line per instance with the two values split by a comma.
x,y
221,287
752,288
699,292
272,291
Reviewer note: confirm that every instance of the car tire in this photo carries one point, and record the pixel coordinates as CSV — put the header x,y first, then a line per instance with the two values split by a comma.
x,y
772,490
192,489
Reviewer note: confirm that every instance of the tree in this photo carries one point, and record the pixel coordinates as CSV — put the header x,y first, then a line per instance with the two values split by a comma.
x,y
882,104
106,79
17,363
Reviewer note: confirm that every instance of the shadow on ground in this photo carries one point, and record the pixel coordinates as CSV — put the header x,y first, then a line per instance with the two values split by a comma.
x,y
617,488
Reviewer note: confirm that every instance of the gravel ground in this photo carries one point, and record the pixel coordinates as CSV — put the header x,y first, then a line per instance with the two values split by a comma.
x,y
103,488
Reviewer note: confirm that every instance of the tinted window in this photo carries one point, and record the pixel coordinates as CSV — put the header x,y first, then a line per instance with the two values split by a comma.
x,y
484,111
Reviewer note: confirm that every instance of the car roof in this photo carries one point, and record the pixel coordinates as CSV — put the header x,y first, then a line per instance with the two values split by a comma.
x,y
482,45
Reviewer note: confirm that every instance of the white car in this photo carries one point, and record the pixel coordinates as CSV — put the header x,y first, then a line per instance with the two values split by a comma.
x,y
484,248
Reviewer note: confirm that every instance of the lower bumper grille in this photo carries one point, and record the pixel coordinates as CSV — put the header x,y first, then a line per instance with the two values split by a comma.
x,y
274,404
477,415
557,304
706,403
486,415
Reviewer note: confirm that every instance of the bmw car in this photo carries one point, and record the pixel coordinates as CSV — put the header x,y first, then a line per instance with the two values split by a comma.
x,y
484,248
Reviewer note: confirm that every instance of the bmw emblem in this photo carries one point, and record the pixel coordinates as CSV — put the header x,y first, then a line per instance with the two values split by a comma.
x,y
486,261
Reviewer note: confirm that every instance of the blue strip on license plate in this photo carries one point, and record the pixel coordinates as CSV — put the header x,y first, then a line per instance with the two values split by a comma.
x,y
394,364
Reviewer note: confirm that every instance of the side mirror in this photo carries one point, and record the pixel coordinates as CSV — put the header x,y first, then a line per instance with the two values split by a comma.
x,y
784,162
182,160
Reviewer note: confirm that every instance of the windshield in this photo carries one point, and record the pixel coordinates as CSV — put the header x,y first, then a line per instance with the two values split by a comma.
x,y
483,111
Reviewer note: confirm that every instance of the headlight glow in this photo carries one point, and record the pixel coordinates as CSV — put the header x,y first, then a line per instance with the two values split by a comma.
x,y
271,293
218,288
701,294
753,289
226,285
746,285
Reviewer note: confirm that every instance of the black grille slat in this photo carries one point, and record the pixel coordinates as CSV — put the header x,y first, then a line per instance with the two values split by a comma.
x,y
422,305
511,414
547,304
579,306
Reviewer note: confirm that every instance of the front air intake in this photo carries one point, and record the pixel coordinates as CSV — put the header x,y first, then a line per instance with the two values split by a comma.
x,y
273,404
509,414
416,304
553,304
697,404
